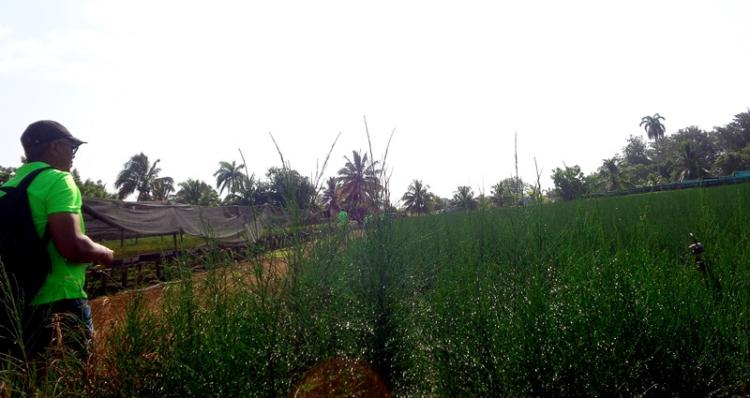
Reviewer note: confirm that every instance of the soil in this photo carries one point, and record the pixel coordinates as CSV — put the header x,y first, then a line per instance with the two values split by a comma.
x,y
341,377
107,311
336,377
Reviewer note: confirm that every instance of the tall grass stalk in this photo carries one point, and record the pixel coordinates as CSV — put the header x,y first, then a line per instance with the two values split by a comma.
x,y
598,297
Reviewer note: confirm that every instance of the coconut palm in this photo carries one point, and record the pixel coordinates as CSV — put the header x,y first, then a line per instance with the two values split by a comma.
x,y
330,196
611,171
417,197
463,198
653,126
359,184
229,176
163,187
138,174
196,192
690,166
244,194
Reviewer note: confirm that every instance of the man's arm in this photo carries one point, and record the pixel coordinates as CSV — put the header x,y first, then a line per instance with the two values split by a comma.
x,y
65,231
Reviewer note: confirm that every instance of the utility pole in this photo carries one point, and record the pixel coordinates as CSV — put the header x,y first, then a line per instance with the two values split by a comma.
x,y
519,186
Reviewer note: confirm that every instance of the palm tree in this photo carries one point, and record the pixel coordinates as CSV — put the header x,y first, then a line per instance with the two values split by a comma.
x,y
653,126
690,164
137,175
359,184
196,192
163,187
611,169
417,197
507,192
331,197
463,197
230,177
244,194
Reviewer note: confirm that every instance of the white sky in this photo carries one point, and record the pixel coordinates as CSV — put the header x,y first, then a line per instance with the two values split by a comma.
x,y
190,82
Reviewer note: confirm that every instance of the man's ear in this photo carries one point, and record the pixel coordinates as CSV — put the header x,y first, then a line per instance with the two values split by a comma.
x,y
54,148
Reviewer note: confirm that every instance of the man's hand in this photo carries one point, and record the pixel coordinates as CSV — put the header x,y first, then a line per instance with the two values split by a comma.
x,y
106,257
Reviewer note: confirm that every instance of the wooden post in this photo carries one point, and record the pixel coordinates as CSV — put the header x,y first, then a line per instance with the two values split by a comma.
x,y
122,238
124,276
159,273
103,282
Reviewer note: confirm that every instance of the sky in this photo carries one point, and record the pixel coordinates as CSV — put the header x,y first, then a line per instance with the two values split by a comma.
x,y
191,82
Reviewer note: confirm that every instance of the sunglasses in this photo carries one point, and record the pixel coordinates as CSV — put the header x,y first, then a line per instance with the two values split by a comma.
x,y
73,145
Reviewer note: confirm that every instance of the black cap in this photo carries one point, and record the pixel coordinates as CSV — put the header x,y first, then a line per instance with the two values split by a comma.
x,y
45,131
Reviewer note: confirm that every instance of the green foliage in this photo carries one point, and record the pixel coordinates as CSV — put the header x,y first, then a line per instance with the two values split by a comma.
x,y
285,188
690,153
636,152
611,174
508,192
162,188
138,174
245,194
417,198
463,198
438,203
587,298
638,175
197,192
230,176
91,189
6,173
330,198
735,135
152,244
569,182
653,126
729,162
359,185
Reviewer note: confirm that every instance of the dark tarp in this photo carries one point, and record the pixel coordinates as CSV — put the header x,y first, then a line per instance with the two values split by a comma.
x,y
112,219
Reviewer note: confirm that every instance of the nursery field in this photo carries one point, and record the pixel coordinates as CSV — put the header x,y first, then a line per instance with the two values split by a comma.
x,y
599,297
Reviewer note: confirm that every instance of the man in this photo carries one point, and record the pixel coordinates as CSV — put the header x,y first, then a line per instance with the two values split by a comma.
x,y
60,309
343,218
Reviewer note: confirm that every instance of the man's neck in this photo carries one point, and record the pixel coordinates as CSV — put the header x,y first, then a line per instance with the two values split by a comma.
x,y
51,163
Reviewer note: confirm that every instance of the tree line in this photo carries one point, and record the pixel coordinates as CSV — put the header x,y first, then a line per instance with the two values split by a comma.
x,y
354,189
690,153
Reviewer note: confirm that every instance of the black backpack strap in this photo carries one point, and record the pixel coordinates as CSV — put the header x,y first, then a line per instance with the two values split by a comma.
x,y
24,185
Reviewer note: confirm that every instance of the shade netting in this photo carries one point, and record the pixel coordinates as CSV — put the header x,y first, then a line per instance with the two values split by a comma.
x,y
113,219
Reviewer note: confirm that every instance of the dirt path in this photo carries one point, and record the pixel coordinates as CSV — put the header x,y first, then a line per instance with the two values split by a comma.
x,y
108,311
332,377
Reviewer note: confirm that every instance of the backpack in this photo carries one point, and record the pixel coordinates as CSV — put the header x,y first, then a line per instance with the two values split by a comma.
x,y
25,260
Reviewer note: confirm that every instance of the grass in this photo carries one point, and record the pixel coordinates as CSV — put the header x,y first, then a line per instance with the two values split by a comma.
x,y
152,244
597,297
108,281
159,244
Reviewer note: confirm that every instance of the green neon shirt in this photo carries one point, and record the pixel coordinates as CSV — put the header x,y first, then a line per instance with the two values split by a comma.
x,y
343,217
54,191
